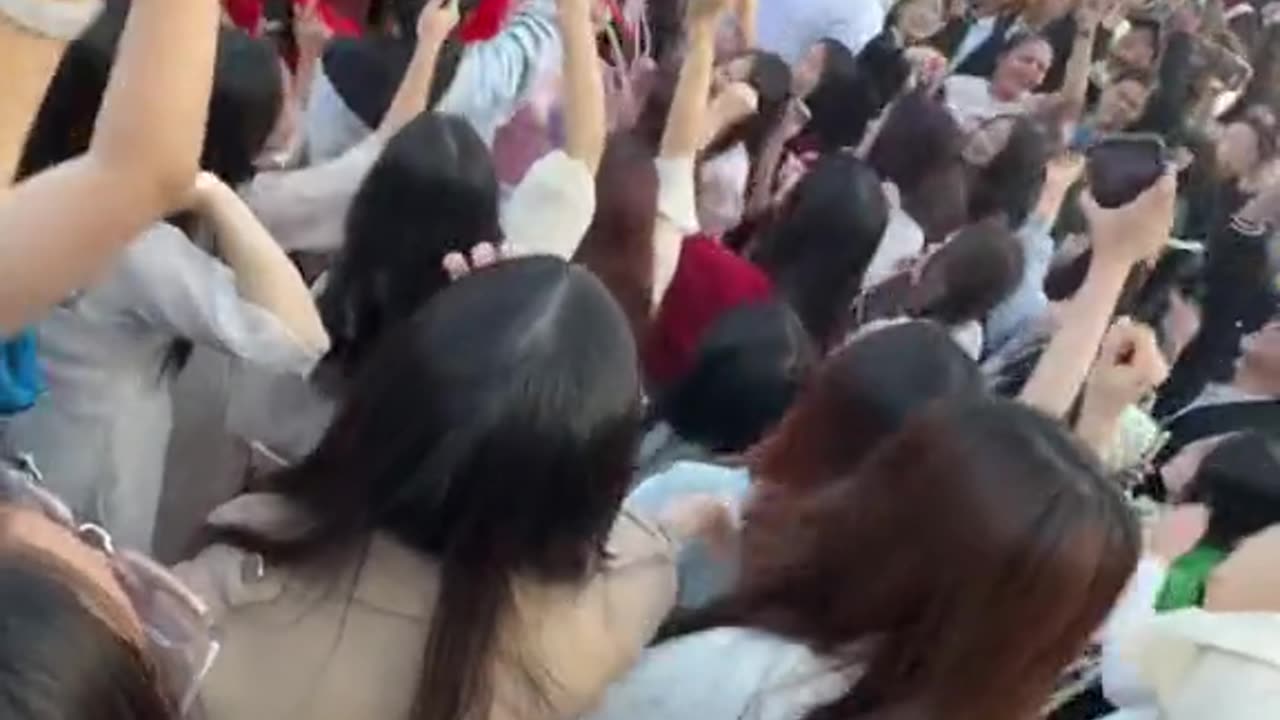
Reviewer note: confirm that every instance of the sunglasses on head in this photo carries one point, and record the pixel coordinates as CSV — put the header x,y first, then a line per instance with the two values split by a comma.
x,y
180,635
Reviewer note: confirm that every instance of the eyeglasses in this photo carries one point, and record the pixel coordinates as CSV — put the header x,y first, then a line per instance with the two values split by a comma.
x,y
178,628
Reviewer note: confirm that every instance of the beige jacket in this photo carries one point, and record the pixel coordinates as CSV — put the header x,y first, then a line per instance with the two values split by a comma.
x,y
344,640
1208,666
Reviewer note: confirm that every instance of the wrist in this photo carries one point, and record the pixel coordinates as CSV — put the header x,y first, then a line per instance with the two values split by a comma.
x,y
433,38
1099,415
1114,256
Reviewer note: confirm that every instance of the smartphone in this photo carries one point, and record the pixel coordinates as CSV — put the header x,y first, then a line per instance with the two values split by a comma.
x,y
1119,168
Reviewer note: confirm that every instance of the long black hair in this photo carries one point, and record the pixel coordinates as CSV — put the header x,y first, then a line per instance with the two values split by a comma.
x,y
433,191
495,432
818,250
59,659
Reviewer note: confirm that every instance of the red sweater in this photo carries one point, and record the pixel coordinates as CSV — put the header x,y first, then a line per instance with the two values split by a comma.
x,y
710,281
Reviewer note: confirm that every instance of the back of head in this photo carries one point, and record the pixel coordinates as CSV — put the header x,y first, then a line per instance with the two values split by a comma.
x,y
748,370
618,245
59,660
918,139
482,428
818,250
860,395
1240,483
954,575
969,276
485,433
433,191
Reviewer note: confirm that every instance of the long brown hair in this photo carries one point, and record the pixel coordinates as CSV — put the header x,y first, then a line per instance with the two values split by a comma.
x,y
618,245
954,576
859,396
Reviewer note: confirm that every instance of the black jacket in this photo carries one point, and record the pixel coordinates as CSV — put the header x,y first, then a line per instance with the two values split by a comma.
x,y
1240,297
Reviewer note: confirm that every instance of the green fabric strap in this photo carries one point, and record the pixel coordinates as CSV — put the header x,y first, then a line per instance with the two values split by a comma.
x,y
1188,579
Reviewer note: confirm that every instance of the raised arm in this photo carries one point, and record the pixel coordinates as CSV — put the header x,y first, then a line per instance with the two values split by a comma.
x,y
748,23
264,274
494,76
435,22
58,228
1121,238
1129,367
1075,84
683,134
681,141
551,208
584,88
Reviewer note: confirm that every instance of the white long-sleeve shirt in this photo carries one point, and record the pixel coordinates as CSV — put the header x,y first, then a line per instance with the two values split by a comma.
x,y
101,432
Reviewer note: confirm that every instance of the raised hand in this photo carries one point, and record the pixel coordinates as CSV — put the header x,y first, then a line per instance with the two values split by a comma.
x,y
1129,366
310,30
1137,231
437,19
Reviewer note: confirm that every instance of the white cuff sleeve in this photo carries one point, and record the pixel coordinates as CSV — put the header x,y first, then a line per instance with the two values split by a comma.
x,y
551,209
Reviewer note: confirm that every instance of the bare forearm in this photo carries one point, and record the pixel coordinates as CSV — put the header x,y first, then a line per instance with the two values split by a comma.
x,y
584,88
152,120
685,130
415,88
1065,364
1096,428
747,11
1075,85
305,79
264,274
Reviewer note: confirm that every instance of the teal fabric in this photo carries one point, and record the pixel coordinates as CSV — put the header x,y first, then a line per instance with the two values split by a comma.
x,y
20,380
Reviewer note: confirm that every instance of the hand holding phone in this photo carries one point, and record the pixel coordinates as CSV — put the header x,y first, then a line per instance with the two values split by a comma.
x,y
1120,168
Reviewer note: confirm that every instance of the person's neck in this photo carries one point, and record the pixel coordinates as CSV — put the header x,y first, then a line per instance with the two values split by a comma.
x,y
1253,383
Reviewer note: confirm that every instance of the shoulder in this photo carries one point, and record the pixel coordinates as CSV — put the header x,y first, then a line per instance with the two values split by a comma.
x,y
162,257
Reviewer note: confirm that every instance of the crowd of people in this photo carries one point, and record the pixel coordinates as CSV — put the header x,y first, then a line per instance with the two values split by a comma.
x,y
639,359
